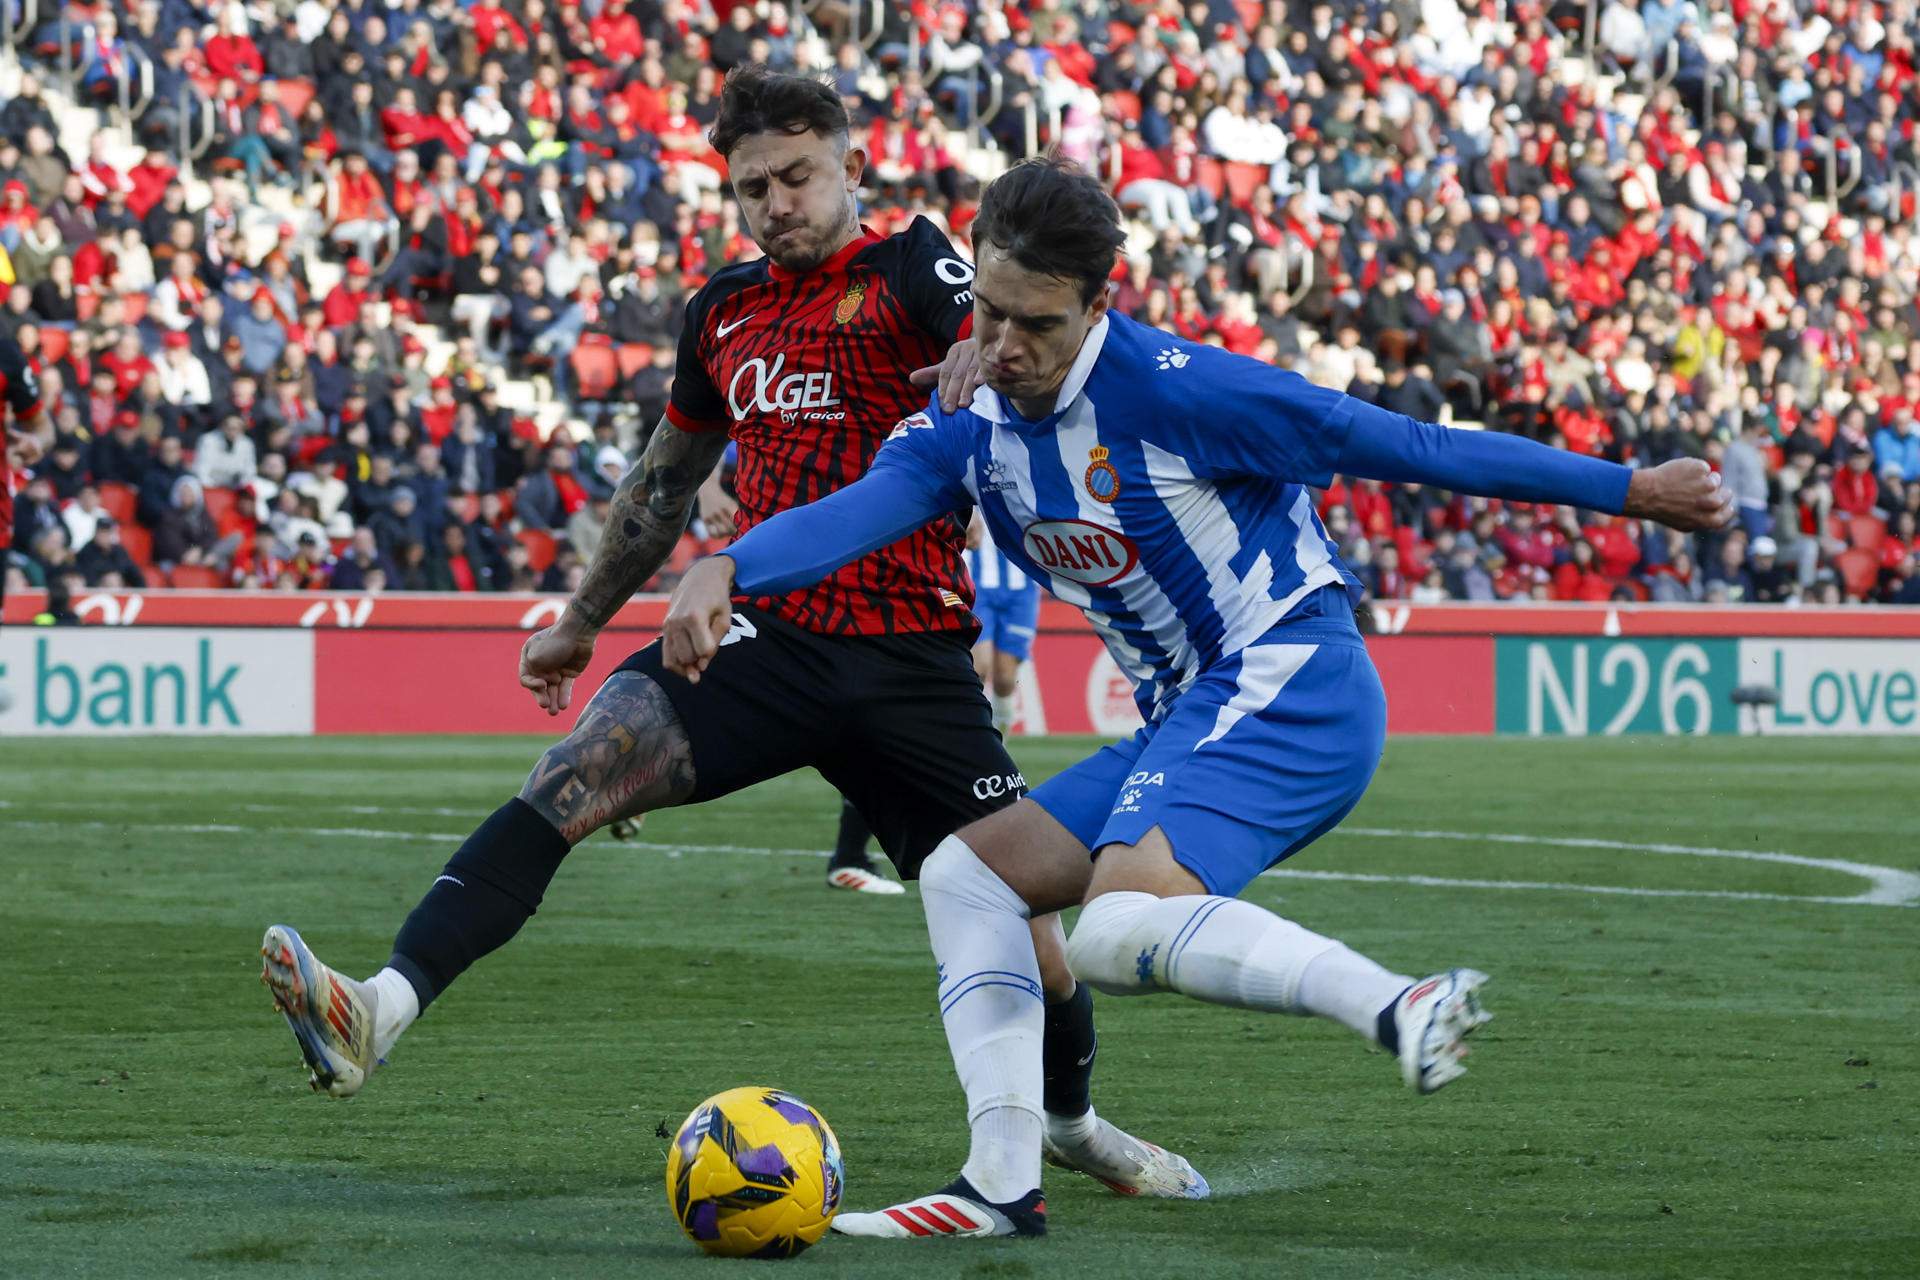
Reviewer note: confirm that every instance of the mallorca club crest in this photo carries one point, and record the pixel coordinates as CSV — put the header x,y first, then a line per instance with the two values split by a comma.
x,y
850,302
1103,482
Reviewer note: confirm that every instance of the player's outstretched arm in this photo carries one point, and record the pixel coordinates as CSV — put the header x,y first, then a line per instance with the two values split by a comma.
x,y
648,515
1379,445
794,549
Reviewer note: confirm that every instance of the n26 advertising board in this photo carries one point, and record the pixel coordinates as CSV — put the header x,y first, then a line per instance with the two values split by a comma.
x,y
85,680
1561,687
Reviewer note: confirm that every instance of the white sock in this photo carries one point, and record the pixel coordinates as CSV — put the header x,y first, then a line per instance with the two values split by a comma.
x,y
1071,1131
1003,712
1344,985
398,1005
994,1011
1227,952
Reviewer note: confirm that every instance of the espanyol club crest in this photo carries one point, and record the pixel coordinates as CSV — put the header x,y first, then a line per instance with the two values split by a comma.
x,y
850,302
1103,482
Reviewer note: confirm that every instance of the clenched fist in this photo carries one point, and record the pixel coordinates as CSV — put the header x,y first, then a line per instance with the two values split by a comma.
x,y
1685,494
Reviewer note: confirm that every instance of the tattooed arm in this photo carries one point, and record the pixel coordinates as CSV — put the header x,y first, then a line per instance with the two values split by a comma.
x,y
649,514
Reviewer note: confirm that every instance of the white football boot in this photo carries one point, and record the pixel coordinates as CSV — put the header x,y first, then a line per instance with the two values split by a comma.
x,y
863,880
955,1212
332,1016
1127,1165
1434,1017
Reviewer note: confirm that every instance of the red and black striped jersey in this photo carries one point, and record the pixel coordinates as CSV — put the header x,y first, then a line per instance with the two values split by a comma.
x,y
20,391
809,373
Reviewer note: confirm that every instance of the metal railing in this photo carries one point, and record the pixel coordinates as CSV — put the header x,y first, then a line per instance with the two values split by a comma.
x,y
978,117
131,107
192,148
877,9
1030,111
1904,181
1722,75
13,31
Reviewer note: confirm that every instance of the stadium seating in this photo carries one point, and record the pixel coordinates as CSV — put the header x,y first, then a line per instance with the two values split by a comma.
x,y
1342,218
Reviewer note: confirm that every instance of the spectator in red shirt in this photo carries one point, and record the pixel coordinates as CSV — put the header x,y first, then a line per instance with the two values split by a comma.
x,y
1580,577
343,304
357,207
1855,488
616,33
231,54
1525,543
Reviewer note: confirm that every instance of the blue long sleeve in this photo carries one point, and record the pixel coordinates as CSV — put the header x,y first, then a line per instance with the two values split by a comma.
x,y
800,546
1390,446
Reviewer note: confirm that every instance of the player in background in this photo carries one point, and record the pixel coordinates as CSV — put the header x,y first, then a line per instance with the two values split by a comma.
x,y
1007,602
27,436
804,359
1162,487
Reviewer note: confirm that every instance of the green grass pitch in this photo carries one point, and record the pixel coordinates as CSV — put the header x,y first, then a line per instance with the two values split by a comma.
x,y
1720,1078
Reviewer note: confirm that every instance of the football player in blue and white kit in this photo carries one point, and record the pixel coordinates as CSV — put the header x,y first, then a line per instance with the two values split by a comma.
x,y
1007,603
1163,488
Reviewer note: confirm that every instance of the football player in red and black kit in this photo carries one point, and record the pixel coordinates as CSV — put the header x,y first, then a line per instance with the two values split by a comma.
x,y
803,358
24,440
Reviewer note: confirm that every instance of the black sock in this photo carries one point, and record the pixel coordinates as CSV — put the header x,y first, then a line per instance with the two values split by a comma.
x,y
481,899
850,846
1385,1029
1066,1054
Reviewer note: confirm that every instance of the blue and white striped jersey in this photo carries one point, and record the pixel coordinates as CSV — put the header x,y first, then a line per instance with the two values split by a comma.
x,y
994,570
1164,495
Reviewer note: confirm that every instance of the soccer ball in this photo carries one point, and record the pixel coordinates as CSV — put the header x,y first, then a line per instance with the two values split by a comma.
x,y
754,1173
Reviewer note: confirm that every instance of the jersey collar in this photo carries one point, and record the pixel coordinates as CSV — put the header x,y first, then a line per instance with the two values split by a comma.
x,y
992,406
838,262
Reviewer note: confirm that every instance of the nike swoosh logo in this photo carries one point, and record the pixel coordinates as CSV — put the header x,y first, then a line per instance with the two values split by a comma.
x,y
1084,1061
449,880
722,331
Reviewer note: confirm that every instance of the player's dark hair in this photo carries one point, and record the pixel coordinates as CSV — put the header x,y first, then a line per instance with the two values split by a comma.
x,y
755,100
1051,216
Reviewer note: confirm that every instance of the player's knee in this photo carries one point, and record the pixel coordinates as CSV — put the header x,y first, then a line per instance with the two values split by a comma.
x,y
1104,950
954,871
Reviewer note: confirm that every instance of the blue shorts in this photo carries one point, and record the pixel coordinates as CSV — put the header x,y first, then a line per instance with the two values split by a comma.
x,y
1007,620
1263,755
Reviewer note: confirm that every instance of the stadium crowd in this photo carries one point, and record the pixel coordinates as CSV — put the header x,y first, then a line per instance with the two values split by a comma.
x,y
1695,237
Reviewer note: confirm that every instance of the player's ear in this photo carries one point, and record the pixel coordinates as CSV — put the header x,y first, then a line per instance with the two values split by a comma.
x,y
856,166
1101,301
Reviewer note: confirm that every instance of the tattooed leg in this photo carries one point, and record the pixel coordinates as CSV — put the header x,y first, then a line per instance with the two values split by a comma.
x,y
628,755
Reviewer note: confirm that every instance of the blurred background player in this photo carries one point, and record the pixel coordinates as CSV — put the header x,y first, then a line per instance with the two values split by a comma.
x,y
852,867
1007,602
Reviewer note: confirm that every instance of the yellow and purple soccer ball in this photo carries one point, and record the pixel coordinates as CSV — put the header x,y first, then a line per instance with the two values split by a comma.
x,y
754,1173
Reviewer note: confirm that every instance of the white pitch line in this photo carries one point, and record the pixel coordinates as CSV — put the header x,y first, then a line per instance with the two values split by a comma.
x,y
1892,887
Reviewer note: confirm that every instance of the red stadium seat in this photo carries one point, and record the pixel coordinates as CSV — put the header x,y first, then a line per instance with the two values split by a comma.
x,y
295,94
53,345
197,577
681,558
540,548
1243,178
120,500
634,356
1867,532
1859,569
596,372
139,545
1210,174
221,503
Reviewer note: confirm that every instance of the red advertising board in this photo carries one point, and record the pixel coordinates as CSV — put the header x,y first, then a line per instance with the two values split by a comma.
x,y
426,663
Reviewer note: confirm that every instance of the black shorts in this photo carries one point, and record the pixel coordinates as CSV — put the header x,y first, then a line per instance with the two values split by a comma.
x,y
899,724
